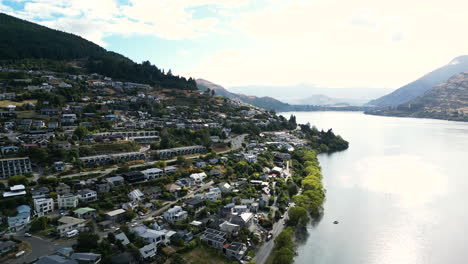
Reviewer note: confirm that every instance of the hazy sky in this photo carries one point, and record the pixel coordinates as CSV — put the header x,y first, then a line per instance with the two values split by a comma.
x,y
329,43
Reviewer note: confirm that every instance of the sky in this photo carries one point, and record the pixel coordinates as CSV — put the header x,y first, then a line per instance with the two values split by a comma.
x,y
327,43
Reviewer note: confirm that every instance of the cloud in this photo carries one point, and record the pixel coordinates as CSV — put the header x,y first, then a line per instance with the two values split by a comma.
x,y
94,20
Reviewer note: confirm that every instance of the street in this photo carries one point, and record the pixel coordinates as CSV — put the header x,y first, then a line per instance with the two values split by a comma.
x,y
39,247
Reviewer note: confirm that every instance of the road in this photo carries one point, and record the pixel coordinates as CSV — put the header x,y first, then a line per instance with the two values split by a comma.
x,y
267,247
236,143
39,247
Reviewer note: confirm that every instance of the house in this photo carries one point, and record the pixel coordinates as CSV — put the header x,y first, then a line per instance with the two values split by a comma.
x,y
133,176
55,259
185,182
213,195
67,201
62,188
87,195
150,235
242,219
170,153
229,227
136,195
40,192
9,149
200,164
175,214
148,251
86,258
280,158
225,187
129,205
195,204
115,216
173,189
240,209
102,187
153,192
235,250
264,200
65,252
15,190
214,173
43,206
7,246
153,173
250,158
170,169
63,145
123,258
68,223
184,235
59,166
85,213
198,177
123,238
116,180
213,161
214,238
18,222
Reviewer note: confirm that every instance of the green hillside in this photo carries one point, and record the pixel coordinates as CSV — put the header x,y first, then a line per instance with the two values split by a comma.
x,y
26,42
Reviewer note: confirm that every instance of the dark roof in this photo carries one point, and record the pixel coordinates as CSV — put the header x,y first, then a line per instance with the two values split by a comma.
x,y
55,259
194,201
123,258
85,256
6,244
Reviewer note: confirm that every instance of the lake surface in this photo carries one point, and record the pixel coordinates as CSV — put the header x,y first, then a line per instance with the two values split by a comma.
x,y
400,192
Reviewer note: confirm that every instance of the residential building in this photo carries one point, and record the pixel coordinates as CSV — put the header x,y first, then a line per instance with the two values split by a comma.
x,y
153,173
229,227
18,222
173,152
174,189
133,176
198,177
67,201
68,223
115,216
15,190
123,238
14,166
85,213
150,235
185,182
136,195
7,246
62,188
195,204
116,180
59,166
40,192
214,238
213,195
175,214
87,195
148,251
235,250
86,258
242,219
43,206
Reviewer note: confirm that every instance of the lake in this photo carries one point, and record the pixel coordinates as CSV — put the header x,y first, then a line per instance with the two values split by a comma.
x,y
399,192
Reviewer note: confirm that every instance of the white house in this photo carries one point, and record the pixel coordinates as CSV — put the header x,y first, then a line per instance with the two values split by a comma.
x,y
153,173
175,214
87,195
136,195
43,206
150,235
198,177
67,201
148,251
16,223
213,195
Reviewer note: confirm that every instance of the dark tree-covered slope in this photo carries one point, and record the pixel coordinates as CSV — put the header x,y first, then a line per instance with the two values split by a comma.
x,y
20,39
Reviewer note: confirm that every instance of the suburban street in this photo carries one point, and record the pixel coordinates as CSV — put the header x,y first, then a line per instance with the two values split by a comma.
x,y
39,247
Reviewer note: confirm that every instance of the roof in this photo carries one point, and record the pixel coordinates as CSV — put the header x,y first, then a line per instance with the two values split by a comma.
x,y
115,212
84,210
17,187
85,257
55,259
6,244
172,187
68,220
123,258
122,237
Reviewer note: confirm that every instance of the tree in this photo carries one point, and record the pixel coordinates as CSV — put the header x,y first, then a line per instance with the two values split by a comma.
x,y
19,179
298,216
111,237
39,224
284,256
87,241
80,132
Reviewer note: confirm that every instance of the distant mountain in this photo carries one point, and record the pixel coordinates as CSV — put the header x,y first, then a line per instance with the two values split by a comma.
x,y
318,99
296,94
423,84
265,102
26,43
448,100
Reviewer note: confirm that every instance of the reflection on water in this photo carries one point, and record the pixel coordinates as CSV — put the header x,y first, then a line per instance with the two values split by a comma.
x,y
398,192
413,181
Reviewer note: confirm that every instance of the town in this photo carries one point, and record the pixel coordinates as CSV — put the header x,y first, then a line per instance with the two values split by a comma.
x,y
101,171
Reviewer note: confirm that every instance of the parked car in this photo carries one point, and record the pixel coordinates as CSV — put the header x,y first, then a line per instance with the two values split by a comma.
x,y
27,235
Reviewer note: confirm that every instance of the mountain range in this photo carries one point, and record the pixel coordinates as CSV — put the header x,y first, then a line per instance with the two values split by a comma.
x,y
423,84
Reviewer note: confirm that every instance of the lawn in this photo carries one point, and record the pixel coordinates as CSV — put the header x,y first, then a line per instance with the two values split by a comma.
x,y
5,103
204,255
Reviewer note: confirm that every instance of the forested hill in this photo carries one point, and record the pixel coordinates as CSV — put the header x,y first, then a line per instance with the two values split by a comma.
x,y
30,43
